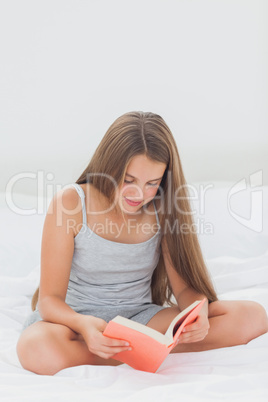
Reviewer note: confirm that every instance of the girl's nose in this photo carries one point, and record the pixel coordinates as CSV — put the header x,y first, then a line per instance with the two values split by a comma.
x,y
135,193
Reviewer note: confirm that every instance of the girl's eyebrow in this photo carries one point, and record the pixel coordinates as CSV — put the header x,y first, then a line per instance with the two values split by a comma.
x,y
127,174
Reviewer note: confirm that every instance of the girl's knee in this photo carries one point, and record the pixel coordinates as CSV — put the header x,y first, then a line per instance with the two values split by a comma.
x,y
253,319
261,318
27,347
39,350
246,319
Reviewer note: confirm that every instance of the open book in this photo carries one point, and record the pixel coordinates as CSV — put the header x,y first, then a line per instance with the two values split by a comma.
x,y
149,347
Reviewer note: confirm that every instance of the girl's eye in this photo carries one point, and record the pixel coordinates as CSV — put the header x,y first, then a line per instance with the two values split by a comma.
x,y
149,184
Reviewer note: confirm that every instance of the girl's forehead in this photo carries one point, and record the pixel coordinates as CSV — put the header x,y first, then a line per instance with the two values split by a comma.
x,y
140,164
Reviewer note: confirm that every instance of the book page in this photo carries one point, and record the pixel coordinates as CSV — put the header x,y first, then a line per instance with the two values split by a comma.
x,y
153,333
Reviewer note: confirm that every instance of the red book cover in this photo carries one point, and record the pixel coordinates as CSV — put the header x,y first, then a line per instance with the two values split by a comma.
x,y
149,347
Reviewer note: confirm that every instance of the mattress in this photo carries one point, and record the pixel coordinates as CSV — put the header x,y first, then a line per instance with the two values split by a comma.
x,y
232,227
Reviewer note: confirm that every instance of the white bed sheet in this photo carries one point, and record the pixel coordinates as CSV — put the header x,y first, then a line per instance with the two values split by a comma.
x,y
237,258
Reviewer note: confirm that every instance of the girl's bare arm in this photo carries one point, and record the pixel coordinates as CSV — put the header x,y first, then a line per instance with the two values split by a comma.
x,y
56,261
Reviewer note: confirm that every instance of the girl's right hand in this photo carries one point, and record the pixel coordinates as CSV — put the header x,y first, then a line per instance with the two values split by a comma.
x,y
97,343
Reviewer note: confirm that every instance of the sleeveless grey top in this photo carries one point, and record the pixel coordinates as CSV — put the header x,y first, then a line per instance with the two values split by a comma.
x,y
109,273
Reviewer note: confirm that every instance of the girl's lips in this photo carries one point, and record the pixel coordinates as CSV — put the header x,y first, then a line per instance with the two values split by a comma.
x,y
132,203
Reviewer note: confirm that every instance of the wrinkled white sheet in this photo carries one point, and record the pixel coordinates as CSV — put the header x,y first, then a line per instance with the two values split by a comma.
x,y
237,258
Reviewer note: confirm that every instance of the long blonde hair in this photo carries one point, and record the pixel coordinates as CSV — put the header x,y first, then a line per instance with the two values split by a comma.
x,y
139,133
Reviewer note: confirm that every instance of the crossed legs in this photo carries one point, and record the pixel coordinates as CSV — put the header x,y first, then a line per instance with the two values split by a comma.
x,y
47,348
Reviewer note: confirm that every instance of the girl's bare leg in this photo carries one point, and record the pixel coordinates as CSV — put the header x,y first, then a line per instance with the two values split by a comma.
x,y
47,348
231,323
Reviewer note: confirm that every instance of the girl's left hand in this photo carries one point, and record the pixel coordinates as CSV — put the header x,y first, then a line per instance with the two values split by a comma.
x,y
196,331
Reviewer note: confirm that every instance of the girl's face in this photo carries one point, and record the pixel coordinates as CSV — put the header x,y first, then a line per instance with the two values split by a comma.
x,y
142,179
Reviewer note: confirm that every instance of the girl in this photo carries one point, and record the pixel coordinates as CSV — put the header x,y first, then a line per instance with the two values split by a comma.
x,y
113,244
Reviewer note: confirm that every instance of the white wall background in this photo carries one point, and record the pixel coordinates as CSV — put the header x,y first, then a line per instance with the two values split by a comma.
x,y
69,68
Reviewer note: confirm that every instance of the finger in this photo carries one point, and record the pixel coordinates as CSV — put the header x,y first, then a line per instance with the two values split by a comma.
x,y
199,323
104,355
188,333
111,351
114,342
115,349
193,339
190,328
193,336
